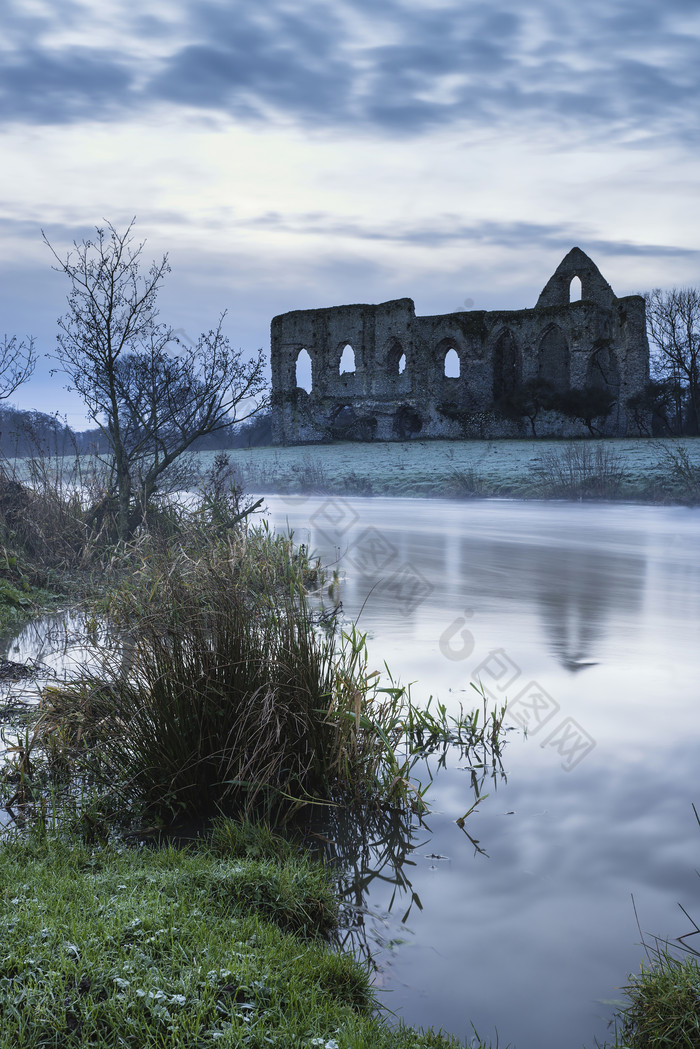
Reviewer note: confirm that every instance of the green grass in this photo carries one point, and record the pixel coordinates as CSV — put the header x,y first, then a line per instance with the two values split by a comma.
x,y
20,596
663,1010
177,947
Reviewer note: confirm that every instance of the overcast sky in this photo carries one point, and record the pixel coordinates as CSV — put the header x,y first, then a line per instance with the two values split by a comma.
x,y
298,153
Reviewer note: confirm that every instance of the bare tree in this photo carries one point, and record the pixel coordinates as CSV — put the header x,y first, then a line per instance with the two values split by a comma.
x,y
17,361
151,394
673,322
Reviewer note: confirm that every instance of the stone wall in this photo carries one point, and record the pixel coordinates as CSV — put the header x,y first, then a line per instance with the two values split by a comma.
x,y
381,373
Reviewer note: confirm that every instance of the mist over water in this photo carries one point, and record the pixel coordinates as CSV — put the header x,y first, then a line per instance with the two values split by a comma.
x,y
586,620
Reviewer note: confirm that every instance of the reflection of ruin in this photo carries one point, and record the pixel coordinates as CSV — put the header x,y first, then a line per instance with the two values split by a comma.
x,y
578,593
581,587
381,372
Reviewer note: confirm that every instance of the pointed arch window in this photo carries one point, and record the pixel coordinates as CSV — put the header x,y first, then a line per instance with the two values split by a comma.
x,y
347,361
506,366
395,358
304,371
452,365
554,360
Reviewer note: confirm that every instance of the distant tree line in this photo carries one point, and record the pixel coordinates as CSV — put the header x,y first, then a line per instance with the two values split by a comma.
x,y
25,433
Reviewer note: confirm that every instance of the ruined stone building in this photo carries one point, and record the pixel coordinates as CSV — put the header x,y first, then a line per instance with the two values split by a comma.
x,y
381,373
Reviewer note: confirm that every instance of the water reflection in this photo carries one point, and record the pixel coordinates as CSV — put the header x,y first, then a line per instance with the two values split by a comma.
x,y
371,849
578,594
577,588
582,572
60,643
536,934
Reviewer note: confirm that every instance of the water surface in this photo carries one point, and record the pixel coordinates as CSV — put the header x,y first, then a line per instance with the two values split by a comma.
x,y
585,618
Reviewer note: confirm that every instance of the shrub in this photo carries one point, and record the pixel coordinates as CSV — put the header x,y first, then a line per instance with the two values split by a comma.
x,y
223,689
683,474
580,472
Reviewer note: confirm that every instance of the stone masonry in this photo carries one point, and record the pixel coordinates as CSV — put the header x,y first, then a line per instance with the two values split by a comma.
x,y
381,373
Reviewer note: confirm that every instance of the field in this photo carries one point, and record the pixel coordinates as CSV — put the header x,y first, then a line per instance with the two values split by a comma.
x,y
648,470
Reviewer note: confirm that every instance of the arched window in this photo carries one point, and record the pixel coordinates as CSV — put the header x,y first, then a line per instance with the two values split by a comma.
x,y
304,372
452,364
395,358
603,370
347,361
344,416
553,359
506,366
575,290
407,422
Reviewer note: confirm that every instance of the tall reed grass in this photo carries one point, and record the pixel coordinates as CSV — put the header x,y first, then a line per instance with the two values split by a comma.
x,y
225,690
41,516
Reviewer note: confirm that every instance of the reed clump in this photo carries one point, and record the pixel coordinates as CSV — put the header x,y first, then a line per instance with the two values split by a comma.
x,y
579,471
215,692
224,684
42,512
680,475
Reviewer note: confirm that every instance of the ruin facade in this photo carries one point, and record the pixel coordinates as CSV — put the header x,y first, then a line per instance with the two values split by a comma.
x,y
379,372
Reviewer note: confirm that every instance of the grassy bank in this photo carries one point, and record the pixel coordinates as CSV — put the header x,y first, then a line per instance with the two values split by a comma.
x,y
640,470
202,947
664,1006
662,1010
223,942
20,600
216,679
53,528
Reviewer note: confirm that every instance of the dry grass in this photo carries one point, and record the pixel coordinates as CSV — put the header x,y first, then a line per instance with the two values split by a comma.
x,y
221,684
580,471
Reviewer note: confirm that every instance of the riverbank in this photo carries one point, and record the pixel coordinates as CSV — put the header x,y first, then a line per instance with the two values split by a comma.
x,y
236,698
220,942
638,470
201,946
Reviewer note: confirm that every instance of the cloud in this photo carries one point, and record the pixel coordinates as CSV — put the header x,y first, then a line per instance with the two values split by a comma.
x,y
447,228
395,68
254,64
403,70
76,84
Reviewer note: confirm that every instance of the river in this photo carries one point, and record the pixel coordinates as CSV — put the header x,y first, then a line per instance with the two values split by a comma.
x,y
585,618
